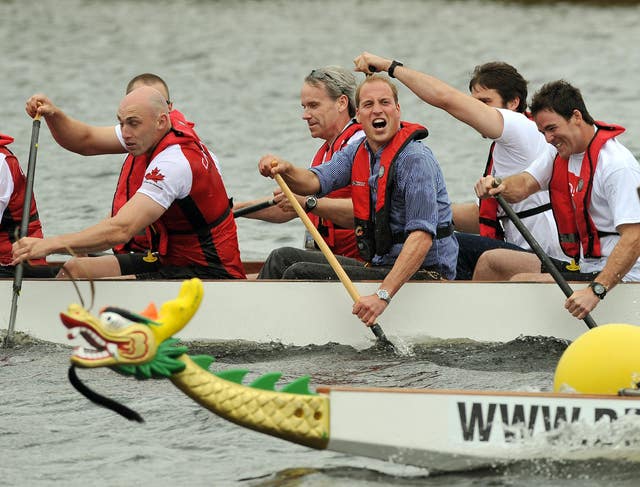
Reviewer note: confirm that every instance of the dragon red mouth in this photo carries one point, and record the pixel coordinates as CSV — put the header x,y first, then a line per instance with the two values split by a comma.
x,y
102,348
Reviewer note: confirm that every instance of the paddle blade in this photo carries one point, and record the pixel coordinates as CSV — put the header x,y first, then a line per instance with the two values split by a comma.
x,y
383,341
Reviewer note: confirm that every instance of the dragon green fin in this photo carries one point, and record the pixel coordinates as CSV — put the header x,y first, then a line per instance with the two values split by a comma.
x,y
235,375
203,361
299,386
144,371
266,382
164,364
125,369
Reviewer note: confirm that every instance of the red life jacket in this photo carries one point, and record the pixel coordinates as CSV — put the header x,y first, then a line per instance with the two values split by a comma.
x,y
199,229
488,207
342,241
490,225
571,198
12,216
130,179
374,237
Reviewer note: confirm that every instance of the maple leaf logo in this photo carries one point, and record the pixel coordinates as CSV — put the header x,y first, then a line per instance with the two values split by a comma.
x,y
155,175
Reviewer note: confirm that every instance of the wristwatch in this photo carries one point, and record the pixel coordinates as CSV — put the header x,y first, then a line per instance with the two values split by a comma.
x,y
384,295
392,67
598,289
310,203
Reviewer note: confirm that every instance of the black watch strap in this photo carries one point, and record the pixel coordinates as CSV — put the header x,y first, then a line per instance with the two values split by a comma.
x,y
310,203
392,67
598,289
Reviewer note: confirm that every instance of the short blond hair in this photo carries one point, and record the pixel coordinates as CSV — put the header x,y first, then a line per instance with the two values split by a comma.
x,y
377,77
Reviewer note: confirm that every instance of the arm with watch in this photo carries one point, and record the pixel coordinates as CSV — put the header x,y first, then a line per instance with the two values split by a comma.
x,y
305,182
411,257
622,259
485,119
338,210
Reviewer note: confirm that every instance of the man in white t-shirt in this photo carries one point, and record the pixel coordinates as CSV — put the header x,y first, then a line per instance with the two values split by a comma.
x,y
496,109
181,195
89,140
592,179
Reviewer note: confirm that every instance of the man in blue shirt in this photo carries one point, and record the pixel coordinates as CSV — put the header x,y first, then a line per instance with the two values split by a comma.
x,y
402,212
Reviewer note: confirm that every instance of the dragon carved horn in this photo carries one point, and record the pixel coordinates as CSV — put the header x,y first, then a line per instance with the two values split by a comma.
x,y
175,314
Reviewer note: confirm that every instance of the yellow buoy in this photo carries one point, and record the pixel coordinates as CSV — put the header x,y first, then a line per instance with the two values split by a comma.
x,y
601,361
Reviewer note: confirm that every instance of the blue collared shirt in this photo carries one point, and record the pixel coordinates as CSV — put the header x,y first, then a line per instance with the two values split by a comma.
x,y
419,199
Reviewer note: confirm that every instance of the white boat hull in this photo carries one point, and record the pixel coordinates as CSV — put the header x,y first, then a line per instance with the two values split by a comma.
x,y
305,312
457,430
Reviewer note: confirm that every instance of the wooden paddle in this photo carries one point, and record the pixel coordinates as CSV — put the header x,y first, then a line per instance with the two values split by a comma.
x,y
24,226
250,209
535,246
333,262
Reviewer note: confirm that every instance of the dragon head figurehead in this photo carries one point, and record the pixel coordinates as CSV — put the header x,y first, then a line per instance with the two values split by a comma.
x,y
141,345
122,338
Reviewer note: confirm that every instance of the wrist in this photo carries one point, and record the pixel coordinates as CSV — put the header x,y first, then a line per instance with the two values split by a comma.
x,y
392,67
384,295
598,289
57,245
310,204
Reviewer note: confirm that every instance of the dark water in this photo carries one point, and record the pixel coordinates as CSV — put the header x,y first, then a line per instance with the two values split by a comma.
x,y
235,67
50,435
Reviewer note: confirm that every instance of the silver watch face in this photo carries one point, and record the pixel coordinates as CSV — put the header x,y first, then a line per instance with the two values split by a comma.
x,y
311,202
383,294
599,289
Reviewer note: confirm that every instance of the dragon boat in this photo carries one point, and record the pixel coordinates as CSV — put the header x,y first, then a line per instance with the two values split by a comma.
x,y
450,429
304,313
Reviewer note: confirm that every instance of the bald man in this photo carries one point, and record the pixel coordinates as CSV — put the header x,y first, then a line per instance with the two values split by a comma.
x,y
182,203
89,140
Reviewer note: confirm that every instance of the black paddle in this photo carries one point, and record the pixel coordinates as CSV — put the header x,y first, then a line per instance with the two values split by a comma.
x,y
24,226
250,209
535,246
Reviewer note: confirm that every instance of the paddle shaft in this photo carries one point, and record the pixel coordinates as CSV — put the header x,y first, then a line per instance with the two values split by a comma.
x,y
24,226
250,209
326,251
535,246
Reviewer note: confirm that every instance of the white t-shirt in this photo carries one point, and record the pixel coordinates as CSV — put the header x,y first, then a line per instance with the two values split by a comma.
x,y
213,156
354,139
168,177
519,145
614,197
6,185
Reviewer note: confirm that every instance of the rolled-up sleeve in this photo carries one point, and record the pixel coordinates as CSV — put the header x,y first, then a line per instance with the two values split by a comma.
x,y
336,172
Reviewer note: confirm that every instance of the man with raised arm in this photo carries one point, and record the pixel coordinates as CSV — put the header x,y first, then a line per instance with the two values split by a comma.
x,y
181,196
496,109
402,212
592,179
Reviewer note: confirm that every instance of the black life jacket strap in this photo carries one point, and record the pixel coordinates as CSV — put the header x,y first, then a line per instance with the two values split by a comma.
x,y
606,234
207,227
531,211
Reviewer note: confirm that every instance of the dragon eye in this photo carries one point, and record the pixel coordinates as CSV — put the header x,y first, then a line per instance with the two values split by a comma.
x,y
114,321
